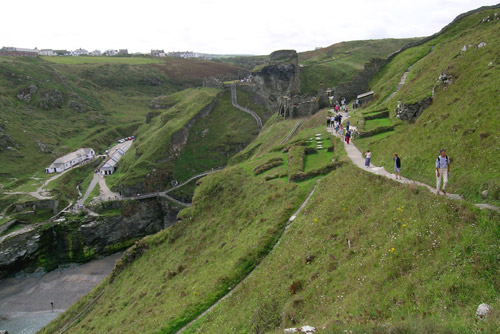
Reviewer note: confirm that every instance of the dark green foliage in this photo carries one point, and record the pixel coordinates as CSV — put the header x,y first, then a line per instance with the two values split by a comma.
x,y
270,164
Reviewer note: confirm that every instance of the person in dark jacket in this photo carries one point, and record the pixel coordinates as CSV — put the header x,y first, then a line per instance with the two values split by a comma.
x,y
397,166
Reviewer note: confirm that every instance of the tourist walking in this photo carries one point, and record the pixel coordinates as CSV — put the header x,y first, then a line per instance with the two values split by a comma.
x,y
341,132
347,125
442,171
368,156
347,136
328,121
397,166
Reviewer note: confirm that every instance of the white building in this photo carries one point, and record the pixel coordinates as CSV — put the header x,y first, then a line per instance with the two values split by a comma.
x,y
111,52
96,53
110,165
79,52
70,160
47,52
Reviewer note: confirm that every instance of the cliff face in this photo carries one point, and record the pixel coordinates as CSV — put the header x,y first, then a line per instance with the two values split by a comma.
x,y
80,239
279,85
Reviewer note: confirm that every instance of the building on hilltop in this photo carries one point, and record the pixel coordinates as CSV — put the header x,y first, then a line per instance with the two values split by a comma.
x,y
19,52
185,55
47,52
158,53
71,159
80,52
96,53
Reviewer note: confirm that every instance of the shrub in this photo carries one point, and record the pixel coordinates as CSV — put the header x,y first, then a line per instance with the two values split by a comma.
x,y
270,164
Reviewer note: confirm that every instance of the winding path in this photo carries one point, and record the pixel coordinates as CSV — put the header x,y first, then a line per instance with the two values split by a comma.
x,y
357,158
234,100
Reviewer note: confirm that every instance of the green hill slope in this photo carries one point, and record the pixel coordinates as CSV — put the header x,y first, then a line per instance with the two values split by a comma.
x,y
49,108
463,116
327,67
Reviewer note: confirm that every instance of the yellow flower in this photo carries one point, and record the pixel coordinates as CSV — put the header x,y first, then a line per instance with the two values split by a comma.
x,y
392,250
315,220
404,225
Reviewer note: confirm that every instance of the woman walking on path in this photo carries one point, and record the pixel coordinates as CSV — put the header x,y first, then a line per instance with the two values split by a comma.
x,y
397,166
442,170
368,156
347,136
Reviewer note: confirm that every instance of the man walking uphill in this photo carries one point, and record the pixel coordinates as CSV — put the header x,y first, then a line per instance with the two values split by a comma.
x,y
442,170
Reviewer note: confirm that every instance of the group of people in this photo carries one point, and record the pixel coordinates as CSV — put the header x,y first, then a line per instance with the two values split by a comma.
x,y
442,168
335,122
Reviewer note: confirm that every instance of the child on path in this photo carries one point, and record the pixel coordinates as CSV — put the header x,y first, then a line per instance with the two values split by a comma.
x,y
368,156
397,166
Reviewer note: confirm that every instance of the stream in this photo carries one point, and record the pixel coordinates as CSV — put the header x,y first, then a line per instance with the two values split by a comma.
x,y
25,302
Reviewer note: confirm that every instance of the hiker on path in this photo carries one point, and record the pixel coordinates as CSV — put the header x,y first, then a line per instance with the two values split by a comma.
x,y
442,170
368,156
397,166
347,125
347,136
328,121
341,132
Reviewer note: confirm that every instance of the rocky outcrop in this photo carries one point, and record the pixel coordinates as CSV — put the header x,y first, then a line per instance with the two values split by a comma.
x,y
410,112
26,94
78,104
79,239
51,99
280,78
6,141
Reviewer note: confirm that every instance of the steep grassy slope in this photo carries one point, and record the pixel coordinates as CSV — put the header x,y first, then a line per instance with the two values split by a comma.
x,y
199,130
370,255
463,116
327,67
91,104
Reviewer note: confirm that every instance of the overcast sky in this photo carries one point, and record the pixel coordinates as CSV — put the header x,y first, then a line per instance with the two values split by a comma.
x,y
219,26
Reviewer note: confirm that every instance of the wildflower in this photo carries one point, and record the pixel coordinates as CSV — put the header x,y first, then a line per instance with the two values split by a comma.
x,y
392,250
404,225
315,220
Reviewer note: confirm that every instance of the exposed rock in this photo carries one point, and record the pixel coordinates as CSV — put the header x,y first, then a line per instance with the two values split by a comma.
x,y
303,329
445,79
44,148
483,311
412,111
51,99
81,239
6,142
27,93
78,104
484,194
480,45
151,82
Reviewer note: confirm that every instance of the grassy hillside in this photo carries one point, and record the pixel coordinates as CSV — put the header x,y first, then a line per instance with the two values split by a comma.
x,y
92,104
327,67
366,254
463,117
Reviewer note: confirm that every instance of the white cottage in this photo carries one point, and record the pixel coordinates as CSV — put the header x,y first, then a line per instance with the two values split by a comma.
x,y
110,165
70,160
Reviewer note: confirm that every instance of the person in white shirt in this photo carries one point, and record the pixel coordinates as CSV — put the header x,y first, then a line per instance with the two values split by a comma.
x,y
442,171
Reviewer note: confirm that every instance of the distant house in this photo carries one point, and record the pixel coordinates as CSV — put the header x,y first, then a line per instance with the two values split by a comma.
x,y
109,166
111,52
79,52
70,160
19,52
47,52
96,53
123,52
365,97
184,54
158,53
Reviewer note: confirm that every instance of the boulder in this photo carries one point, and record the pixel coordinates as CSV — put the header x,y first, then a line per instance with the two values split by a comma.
x,y
51,99
410,112
483,311
25,94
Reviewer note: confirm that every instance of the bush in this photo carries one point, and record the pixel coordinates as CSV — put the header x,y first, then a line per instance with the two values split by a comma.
x,y
296,156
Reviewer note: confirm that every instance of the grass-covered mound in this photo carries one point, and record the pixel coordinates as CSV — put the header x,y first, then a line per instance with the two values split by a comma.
x,y
463,116
371,255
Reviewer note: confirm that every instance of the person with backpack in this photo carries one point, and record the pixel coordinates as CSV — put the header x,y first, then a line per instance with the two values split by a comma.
x,y
442,170
347,136
397,166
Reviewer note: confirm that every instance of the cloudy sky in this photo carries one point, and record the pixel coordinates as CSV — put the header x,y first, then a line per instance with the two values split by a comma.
x,y
219,26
